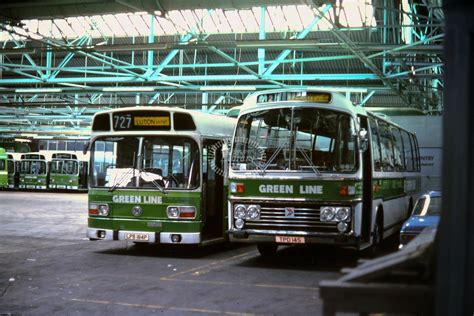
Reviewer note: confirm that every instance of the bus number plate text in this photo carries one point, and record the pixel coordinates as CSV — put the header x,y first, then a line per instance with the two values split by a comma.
x,y
289,240
137,236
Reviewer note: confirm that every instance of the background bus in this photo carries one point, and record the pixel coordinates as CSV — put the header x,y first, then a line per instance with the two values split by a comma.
x,y
154,176
309,167
13,162
33,171
67,172
3,169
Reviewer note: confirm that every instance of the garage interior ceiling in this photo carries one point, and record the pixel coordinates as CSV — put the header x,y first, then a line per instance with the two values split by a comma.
x,y
61,61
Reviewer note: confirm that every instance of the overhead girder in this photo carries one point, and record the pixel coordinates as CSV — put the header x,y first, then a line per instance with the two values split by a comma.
x,y
47,9
81,70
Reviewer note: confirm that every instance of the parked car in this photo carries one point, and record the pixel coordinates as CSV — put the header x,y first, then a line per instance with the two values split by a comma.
x,y
425,214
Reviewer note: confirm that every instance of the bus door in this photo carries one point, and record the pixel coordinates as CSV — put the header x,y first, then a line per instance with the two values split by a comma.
x,y
212,190
367,185
83,168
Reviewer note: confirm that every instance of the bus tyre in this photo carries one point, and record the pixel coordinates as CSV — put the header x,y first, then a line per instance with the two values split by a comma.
x,y
267,250
377,236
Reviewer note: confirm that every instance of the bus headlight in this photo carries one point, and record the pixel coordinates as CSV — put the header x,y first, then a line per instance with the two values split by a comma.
x,y
343,214
172,211
239,223
103,209
327,214
253,212
240,211
341,227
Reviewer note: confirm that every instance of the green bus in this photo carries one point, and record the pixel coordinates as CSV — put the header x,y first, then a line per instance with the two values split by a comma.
x,y
155,176
13,170
67,172
309,167
33,171
3,169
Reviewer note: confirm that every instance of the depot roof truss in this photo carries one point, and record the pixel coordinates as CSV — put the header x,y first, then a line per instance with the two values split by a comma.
x,y
75,77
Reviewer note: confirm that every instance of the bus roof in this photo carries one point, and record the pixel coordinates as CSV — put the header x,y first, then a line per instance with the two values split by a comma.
x,y
33,155
150,120
2,153
266,99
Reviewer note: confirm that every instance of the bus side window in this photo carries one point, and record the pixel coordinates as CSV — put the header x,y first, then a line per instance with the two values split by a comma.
x,y
408,149
399,160
375,139
416,153
386,146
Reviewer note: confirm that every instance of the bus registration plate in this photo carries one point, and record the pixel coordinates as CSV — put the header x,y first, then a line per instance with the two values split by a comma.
x,y
289,240
137,236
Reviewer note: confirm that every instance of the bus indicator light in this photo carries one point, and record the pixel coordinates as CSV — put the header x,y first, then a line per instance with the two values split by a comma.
x,y
240,188
343,190
93,209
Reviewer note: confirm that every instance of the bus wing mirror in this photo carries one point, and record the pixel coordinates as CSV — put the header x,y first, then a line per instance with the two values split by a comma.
x,y
86,148
363,139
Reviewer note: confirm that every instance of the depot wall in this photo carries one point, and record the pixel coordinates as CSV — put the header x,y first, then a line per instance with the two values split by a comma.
x,y
429,130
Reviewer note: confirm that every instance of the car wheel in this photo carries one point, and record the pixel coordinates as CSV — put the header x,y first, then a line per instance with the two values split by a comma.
x,y
267,250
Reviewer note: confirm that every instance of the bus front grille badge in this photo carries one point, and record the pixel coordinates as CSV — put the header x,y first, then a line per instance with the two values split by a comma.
x,y
136,211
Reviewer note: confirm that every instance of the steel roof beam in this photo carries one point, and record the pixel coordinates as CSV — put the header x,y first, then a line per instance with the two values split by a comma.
x,y
300,36
351,46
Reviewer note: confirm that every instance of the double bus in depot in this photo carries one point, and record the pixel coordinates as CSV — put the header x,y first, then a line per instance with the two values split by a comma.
x,y
156,176
33,171
3,169
67,172
309,167
13,163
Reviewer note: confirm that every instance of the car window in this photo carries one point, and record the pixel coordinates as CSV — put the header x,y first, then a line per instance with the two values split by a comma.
x,y
435,207
419,206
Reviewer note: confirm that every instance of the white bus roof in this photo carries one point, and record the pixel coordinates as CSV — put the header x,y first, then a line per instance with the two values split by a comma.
x,y
297,96
206,124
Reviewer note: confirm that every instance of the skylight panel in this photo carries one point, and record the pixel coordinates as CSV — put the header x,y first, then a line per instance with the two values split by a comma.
x,y
235,21
278,19
223,25
293,18
126,25
102,25
351,14
31,25
45,27
138,22
76,26
306,16
190,20
249,20
157,28
178,21
324,25
167,26
208,23
65,29
88,26
199,15
114,25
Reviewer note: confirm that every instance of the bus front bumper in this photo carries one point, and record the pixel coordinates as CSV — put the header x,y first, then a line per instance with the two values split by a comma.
x,y
256,236
144,237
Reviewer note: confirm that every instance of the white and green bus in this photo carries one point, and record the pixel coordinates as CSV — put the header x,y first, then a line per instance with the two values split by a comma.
x,y
67,172
309,167
154,176
33,171
3,169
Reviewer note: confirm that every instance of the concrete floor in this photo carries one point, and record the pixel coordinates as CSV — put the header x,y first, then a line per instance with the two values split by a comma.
x,y
47,266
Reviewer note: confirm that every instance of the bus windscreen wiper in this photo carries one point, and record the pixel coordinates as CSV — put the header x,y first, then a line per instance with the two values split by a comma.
x,y
125,177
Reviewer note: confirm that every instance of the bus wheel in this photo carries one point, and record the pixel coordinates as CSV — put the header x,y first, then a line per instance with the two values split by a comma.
x,y
377,236
267,250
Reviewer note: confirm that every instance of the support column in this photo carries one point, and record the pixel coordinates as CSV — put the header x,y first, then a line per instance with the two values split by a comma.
x,y
455,243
